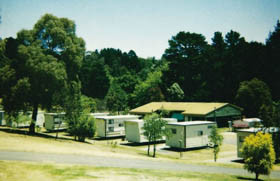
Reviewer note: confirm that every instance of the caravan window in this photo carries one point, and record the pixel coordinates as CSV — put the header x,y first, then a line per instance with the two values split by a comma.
x,y
57,121
199,133
111,121
174,131
121,125
111,129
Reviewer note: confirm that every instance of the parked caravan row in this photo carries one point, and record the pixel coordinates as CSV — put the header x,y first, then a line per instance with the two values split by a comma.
x,y
183,134
57,121
23,121
134,130
108,126
51,121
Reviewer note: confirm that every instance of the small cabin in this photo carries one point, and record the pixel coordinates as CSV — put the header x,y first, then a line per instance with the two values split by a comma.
x,y
108,126
190,134
134,130
55,121
243,133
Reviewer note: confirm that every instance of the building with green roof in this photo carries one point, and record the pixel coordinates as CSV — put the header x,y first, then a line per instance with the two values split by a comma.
x,y
189,111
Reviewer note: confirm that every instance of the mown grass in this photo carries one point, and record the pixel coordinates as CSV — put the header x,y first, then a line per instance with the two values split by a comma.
x,y
65,145
27,171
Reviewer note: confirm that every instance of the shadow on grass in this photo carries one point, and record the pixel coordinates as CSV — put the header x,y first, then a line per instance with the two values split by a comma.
x,y
245,178
108,138
241,160
143,143
183,149
39,135
25,132
56,131
146,154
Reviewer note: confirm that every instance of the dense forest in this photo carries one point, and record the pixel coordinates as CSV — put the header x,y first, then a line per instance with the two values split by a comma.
x,y
40,65
191,69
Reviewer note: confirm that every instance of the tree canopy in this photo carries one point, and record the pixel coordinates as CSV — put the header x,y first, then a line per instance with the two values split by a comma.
x,y
154,129
251,95
216,139
185,56
40,62
258,153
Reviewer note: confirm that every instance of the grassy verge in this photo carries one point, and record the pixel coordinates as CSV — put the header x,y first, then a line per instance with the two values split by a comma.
x,y
14,141
65,145
13,170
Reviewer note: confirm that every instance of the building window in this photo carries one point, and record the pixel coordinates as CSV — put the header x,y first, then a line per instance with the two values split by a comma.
x,y
199,133
111,121
210,126
174,131
111,129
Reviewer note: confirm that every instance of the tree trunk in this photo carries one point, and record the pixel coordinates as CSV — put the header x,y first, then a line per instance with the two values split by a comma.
x,y
34,117
154,155
257,176
149,146
215,157
58,129
215,153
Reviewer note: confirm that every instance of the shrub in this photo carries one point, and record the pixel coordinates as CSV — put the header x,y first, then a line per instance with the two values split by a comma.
x,y
83,127
258,154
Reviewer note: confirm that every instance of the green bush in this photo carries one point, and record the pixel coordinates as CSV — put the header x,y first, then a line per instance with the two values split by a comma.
x,y
15,120
83,127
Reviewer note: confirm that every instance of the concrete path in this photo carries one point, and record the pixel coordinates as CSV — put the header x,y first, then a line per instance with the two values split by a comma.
x,y
122,163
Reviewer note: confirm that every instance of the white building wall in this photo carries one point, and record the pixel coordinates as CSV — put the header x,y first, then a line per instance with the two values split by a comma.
x,y
49,122
177,134
132,131
100,127
190,135
196,136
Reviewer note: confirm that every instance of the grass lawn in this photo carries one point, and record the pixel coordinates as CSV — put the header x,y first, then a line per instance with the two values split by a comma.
x,y
18,141
66,145
26,171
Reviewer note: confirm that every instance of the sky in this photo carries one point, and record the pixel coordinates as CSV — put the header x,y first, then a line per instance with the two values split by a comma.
x,y
145,26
